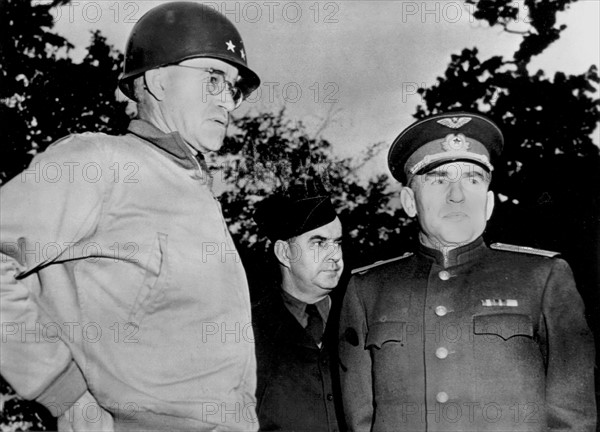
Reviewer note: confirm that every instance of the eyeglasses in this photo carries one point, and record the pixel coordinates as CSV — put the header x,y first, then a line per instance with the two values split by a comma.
x,y
217,83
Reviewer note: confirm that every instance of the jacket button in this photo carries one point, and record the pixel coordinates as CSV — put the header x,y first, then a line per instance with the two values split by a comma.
x,y
329,397
441,311
442,397
441,353
444,275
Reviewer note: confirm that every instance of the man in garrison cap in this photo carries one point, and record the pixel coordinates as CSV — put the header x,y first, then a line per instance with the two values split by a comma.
x,y
294,325
460,336
121,283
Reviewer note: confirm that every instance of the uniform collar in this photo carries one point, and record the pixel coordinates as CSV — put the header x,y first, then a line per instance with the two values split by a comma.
x,y
173,146
454,257
170,143
298,307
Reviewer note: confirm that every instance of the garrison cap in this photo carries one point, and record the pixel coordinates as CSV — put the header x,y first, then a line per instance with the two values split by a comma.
x,y
283,216
442,138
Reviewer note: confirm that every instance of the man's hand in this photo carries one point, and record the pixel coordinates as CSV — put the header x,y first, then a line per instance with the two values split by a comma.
x,y
9,268
86,415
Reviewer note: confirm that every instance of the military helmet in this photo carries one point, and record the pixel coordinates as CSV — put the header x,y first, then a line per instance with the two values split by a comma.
x,y
177,31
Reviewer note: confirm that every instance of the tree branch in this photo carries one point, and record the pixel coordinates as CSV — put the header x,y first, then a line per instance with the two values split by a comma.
x,y
522,33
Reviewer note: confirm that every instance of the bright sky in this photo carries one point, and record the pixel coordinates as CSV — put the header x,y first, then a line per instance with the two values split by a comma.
x,y
356,62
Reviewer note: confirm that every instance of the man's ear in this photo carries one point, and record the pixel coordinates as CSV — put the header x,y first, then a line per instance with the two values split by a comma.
x,y
407,198
489,205
281,249
154,80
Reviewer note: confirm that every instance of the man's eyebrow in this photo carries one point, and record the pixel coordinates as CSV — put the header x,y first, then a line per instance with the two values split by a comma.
x,y
478,173
321,238
467,173
437,173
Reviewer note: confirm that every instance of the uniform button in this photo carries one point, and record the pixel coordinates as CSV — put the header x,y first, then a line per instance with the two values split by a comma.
x,y
329,397
442,397
441,311
444,275
441,353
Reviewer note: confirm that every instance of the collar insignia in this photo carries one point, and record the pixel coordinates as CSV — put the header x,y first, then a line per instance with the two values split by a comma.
x,y
454,122
454,143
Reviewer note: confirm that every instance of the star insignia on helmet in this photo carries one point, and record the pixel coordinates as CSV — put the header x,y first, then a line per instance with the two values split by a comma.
x,y
454,143
454,122
230,46
243,54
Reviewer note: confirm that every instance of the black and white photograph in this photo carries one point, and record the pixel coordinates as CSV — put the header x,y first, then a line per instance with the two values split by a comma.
x,y
300,216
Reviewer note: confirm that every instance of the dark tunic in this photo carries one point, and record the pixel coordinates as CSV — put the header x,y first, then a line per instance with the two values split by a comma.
x,y
486,341
295,389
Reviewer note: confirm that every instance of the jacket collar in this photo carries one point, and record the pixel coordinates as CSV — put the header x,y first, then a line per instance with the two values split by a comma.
x,y
170,143
457,256
278,320
298,307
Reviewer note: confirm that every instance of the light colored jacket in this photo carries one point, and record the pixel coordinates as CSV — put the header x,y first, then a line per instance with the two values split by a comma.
x,y
131,286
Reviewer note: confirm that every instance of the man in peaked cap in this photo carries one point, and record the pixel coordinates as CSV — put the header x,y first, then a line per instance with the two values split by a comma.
x,y
122,262
294,325
460,336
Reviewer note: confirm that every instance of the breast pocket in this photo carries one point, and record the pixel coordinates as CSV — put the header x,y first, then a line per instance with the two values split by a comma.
x,y
503,325
152,290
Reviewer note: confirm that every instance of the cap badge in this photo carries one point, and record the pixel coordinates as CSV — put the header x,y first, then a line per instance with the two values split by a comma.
x,y
454,143
230,46
454,122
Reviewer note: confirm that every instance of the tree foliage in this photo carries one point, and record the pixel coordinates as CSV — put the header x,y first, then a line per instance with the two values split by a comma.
x,y
548,178
269,152
47,95
541,17
44,94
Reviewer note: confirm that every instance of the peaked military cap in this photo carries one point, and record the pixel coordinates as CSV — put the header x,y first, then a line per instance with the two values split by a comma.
x,y
433,141
290,214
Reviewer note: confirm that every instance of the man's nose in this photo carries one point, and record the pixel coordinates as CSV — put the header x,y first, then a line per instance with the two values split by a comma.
x,y
336,254
225,100
455,193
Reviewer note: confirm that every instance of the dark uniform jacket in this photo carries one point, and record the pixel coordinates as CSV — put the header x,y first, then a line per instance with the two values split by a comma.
x,y
295,385
486,341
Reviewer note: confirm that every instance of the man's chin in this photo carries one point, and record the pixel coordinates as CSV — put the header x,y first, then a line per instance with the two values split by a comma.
x,y
449,240
209,142
209,147
329,283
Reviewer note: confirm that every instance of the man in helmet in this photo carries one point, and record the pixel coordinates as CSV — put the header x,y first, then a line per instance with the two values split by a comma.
x,y
124,302
460,336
